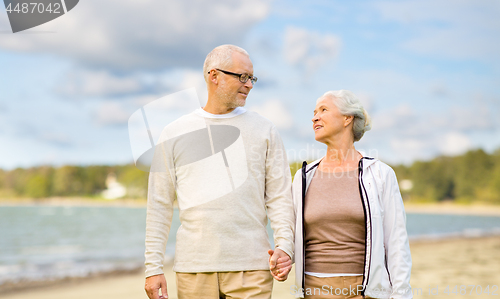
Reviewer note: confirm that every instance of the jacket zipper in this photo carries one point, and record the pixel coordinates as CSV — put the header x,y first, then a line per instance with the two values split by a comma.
x,y
368,226
304,189
304,182
387,269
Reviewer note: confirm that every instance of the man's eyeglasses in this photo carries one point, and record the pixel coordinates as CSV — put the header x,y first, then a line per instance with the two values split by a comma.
x,y
242,77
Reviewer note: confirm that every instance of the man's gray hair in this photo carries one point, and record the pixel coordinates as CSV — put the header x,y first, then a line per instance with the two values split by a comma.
x,y
348,104
220,57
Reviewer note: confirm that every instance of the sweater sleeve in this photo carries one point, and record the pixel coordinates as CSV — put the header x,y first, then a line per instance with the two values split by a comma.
x,y
397,248
161,195
278,193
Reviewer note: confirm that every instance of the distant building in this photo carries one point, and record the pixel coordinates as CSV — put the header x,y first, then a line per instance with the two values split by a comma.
x,y
114,189
406,185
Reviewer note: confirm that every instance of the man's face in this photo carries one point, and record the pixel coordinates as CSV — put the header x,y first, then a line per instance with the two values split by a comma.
x,y
230,89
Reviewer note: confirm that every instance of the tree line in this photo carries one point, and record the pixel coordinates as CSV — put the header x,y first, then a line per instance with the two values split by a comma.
x,y
69,181
471,177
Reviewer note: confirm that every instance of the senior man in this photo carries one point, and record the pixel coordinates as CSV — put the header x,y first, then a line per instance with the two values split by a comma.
x,y
228,170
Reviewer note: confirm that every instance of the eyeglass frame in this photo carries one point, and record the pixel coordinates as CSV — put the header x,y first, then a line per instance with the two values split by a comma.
x,y
252,79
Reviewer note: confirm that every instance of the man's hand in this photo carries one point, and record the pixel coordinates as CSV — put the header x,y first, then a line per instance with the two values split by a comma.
x,y
154,284
280,264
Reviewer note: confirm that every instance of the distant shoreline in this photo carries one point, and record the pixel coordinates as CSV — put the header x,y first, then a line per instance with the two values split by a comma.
x,y
453,209
74,201
449,208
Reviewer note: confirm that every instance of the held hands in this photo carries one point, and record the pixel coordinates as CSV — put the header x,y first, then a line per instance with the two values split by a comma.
x,y
280,264
154,284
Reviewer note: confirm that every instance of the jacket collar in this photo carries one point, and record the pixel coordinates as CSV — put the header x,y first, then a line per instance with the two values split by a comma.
x,y
367,161
313,164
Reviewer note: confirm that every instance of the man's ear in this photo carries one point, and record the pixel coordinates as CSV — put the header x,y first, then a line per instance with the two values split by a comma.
x,y
212,76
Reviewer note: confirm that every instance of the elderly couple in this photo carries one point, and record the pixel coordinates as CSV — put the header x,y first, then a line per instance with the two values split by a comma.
x,y
342,222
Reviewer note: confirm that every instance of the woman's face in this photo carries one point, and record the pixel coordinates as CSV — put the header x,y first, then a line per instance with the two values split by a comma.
x,y
328,122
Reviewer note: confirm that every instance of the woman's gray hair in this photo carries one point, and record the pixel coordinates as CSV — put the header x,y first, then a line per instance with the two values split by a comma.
x,y
220,57
349,104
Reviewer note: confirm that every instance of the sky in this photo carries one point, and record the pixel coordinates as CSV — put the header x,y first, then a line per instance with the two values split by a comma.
x,y
427,72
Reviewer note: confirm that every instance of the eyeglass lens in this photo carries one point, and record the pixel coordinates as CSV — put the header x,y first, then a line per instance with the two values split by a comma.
x,y
244,78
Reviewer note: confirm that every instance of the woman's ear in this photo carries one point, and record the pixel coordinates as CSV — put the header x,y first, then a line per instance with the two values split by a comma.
x,y
348,119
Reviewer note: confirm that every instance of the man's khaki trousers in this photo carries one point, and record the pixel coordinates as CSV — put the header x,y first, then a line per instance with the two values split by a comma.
x,y
215,285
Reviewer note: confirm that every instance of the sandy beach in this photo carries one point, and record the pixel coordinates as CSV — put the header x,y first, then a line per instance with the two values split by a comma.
x,y
436,265
453,208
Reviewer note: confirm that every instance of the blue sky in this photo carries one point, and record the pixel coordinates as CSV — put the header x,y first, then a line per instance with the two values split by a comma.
x,y
428,72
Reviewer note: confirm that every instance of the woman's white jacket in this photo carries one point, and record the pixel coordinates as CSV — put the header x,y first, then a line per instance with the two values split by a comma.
x,y
387,263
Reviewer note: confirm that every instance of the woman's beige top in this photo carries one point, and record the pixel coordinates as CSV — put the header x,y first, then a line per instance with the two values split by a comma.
x,y
334,224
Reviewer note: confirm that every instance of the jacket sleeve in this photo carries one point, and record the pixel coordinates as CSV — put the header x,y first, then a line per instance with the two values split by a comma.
x,y
161,196
278,193
397,248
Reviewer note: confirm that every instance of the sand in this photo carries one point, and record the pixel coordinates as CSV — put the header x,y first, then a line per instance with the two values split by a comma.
x,y
453,208
459,262
436,264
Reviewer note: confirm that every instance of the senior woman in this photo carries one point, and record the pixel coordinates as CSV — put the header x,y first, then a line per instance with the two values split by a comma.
x,y
350,237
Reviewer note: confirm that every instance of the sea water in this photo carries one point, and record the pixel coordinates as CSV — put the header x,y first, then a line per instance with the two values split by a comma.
x,y
39,243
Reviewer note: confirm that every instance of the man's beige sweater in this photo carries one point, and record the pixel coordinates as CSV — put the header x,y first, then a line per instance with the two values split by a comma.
x,y
226,172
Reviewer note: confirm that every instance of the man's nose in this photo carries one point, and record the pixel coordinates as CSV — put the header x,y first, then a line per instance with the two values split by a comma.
x,y
249,84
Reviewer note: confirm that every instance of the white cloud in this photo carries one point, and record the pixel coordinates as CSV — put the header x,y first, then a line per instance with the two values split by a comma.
x,y
366,100
148,34
275,111
477,115
140,87
471,118
83,83
416,134
189,79
454,143
145,99
111,113
411,147
383,84
462,29
439,89
402,116
59,139
309,50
